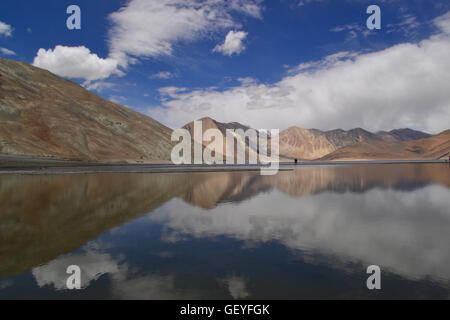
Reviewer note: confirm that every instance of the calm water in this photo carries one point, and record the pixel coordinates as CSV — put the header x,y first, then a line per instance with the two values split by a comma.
x,y
309,233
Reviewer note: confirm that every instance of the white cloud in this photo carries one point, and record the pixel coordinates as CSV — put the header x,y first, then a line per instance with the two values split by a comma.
x,y
98,86
75,62
443,22
353,30
164,75
233,43
247,81
93,265
145,28
402,86
251,8
7,52
306,2
237,287
117,99
5,29
409,26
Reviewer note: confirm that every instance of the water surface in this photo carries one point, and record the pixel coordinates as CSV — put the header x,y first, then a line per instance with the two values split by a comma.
x,y
303,234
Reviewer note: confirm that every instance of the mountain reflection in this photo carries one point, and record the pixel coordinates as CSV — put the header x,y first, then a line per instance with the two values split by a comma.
x,y
395,216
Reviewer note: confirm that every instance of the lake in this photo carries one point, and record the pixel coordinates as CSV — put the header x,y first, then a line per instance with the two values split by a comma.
x,y
303,234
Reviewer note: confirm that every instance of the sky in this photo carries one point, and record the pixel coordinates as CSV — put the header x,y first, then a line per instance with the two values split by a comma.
x,y
269,64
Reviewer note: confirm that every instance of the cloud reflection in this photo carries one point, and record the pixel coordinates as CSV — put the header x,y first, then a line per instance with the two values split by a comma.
x,y
405,232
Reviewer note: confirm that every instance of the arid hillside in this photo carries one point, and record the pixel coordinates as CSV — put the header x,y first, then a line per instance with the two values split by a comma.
x,y
300,143
43,115
435,147
208,123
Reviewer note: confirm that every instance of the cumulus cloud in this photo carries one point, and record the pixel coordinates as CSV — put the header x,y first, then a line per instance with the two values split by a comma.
x,y
402,86
233,43
7,52
5,29
145,28
75,62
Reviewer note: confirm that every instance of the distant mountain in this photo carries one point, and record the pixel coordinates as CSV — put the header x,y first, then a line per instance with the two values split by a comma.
x,y
434,147
340,138
44,115
406,134
304,144
313,144
298,143
209,123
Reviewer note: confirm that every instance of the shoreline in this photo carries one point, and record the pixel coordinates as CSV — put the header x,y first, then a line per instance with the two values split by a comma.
x,y
39,166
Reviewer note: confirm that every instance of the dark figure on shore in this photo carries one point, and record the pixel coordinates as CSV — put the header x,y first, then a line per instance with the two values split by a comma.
x,y
296,160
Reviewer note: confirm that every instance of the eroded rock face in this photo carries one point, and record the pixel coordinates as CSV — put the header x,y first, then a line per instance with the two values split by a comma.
x,y
44,115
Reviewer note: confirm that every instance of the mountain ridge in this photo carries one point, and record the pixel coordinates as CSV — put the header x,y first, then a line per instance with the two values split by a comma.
x,y
435,147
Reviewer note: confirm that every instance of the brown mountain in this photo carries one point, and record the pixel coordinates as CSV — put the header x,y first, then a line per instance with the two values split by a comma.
x,y
208,123
303,144
340,138
314,144
435,147
44,115
354,144
405,134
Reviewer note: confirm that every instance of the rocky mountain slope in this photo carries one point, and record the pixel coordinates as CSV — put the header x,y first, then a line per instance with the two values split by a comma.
x,y
354,144
208,123
44,115
340,138
403,135
314,144
303,144
435,147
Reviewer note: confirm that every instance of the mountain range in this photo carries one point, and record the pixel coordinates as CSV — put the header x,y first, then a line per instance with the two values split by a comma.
x,y
360,144
43,115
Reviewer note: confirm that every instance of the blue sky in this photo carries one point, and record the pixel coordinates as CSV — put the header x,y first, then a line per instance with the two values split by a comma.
x,y
287,62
